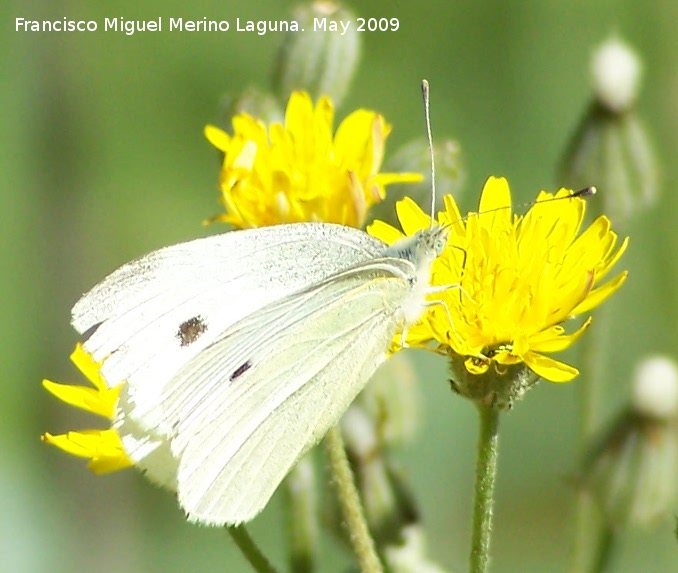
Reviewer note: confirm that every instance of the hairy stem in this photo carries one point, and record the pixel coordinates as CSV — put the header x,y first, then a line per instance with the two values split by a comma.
x,y
486,473
351,507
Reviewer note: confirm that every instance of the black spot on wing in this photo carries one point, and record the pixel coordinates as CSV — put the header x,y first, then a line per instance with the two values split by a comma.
x,y
190,330
240,370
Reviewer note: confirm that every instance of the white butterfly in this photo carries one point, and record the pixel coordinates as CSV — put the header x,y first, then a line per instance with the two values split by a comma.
x,y
240,351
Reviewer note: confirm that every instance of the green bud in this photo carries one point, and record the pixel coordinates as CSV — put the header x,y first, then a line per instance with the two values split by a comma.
x,y
499,389
613,152
388,503
258,104
392,399
320,62
384,414
633,469
415,157
611,148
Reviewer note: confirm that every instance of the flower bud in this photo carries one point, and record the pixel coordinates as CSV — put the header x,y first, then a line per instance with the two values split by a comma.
x,y
498,388
318,61
387,500
385,414
261,105
633,471
611,148
392,399
415,157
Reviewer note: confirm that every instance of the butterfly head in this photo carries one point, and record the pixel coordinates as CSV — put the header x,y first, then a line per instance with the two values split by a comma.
x,y
422,248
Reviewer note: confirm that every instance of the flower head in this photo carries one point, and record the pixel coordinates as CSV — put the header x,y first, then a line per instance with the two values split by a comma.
x,y
299,171
123,444
514,280
103,447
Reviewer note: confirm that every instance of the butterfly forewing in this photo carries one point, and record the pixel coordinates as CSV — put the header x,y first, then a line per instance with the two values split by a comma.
x,y
152,316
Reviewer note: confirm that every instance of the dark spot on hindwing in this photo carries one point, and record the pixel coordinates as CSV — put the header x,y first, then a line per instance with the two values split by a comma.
x,y
190,330
240,370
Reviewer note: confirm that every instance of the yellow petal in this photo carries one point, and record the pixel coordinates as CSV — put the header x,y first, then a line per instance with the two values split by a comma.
x,y
76,447
353,141
84,444
495,202
217,137
599,295
109,464
612,260
103,447
101,402
86,364
495,194
550,369
411,217
299,118
452,214
245,159
383,179
323,117
552,339
384,232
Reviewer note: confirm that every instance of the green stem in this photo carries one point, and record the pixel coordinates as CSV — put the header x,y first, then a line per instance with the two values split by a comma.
x,y
605,551
351,507
592,364
583,533
585,515
250,550
486,473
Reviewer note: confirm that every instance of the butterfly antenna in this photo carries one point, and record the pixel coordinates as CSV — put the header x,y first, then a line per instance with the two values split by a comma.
x,y
425,94
581,194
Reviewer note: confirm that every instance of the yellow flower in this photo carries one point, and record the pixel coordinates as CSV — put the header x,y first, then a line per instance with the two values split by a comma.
x,y
103,447
513,280
298,171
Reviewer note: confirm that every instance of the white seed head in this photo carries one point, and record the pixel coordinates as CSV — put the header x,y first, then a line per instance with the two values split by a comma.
x,y
615,70
359,432
655,388
411,555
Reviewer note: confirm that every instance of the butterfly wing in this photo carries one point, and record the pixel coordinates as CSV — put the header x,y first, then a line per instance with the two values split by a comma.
x,y
152,316
246,408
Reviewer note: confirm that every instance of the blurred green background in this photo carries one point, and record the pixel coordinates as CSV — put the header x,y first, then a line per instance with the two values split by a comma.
x,y
103,159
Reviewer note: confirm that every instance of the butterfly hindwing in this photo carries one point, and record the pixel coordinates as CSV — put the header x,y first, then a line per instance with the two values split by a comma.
x,y
247,407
